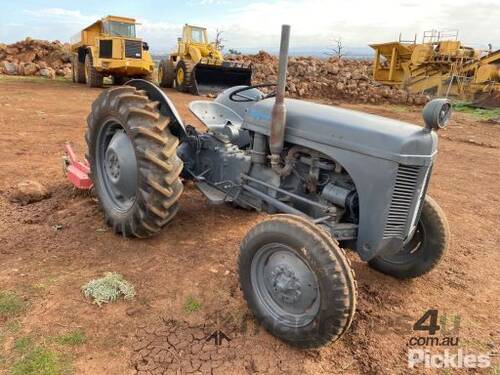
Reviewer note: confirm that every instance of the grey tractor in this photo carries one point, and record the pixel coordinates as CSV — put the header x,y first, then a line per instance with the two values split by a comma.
x,y
332,178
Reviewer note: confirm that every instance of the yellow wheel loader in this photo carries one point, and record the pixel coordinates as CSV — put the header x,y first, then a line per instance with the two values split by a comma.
x,y
198,66
109,47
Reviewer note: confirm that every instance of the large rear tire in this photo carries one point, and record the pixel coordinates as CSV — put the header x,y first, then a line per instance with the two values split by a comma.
x,y
92,76
424,251
297,281
166,73
133,161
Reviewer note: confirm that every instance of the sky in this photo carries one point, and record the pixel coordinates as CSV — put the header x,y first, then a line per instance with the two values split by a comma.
x,y
250,26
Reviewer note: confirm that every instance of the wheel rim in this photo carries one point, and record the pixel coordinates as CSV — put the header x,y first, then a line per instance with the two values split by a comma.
x,y
117,166
411,250
284,285
180,76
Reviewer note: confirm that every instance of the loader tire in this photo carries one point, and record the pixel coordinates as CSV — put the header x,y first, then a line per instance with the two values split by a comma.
x,y
92,76
424,251
133,162
166,73
297,281
78,70
183,76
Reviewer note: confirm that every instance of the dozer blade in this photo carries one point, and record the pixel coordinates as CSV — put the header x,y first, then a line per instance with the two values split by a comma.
x,y
212,79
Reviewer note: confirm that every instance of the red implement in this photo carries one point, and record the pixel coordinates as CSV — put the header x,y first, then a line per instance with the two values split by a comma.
x,y
76,171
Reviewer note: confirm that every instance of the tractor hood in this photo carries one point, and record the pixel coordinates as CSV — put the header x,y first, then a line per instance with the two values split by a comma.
x,y
349,130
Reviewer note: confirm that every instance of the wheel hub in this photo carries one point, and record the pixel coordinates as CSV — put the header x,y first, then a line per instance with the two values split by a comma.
x,y
119,168
286,286
113,165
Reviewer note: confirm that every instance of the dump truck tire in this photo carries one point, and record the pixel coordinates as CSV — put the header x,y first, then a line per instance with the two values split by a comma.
x,y
183,76
133,162
92,76
78,70
424,251
73,69
297,281
166,74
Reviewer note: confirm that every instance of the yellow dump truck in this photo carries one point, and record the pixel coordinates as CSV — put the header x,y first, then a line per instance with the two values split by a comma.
x,y
198,67
110,47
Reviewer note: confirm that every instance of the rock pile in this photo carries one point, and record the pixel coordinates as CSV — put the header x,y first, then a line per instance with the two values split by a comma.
x,y
32,57
331,79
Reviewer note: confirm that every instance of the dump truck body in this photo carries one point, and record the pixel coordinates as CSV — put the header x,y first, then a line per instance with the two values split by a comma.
x,y
114,49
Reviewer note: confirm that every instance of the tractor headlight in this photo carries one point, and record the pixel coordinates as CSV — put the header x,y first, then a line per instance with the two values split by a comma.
x,y
436,114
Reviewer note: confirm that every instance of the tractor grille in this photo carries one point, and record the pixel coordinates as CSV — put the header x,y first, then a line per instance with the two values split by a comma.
x,y
405,188
105,49
133,49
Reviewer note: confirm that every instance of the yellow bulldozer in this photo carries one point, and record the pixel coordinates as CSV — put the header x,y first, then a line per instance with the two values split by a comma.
x,y
110,47
198,67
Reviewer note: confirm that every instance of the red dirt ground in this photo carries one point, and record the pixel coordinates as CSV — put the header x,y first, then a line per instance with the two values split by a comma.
x,y
196,257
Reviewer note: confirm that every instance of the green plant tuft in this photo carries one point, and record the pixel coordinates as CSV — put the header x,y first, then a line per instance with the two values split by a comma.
x,y
192,305
24,344
71,338
39,361
480,113
10,304
108,288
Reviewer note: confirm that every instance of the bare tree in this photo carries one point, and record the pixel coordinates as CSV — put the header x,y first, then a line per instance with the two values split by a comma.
x,y
233,51
219,39
338,49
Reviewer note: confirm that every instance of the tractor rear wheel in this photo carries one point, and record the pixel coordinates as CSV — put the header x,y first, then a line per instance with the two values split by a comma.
x,y
133,161
183,76
92,76
424,251
297,281
166,73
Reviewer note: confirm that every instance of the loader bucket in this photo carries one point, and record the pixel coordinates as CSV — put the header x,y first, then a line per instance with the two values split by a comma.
x,y
212,79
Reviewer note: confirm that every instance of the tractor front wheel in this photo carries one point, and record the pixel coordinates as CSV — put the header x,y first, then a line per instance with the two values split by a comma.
x,y
133,161
297,281
424,251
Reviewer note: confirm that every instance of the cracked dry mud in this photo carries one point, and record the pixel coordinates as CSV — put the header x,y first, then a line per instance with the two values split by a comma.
x,y
170,346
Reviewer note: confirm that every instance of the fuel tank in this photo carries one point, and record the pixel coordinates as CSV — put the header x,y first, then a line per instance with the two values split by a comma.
x,y
350,130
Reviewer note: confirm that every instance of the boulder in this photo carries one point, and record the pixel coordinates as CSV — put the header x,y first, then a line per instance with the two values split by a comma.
x,y
47,73
9,68
28,191
27,69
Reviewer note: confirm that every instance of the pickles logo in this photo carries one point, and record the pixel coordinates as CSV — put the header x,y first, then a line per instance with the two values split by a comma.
x,y
448,338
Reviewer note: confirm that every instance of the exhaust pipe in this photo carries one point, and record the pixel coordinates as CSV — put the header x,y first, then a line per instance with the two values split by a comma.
x,y
278,118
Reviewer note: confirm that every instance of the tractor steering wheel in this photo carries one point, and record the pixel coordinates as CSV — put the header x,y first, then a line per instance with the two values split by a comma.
x,y
246,99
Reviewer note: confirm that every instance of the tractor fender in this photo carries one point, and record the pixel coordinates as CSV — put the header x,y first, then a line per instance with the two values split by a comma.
x,y
167,108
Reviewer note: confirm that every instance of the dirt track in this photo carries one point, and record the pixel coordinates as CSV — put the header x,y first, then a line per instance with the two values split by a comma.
x,y
196,256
